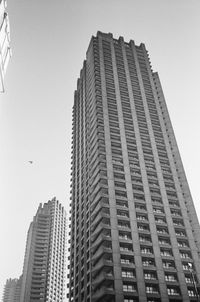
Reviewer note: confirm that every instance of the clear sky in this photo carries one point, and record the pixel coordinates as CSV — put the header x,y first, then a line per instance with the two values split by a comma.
x,y
49,42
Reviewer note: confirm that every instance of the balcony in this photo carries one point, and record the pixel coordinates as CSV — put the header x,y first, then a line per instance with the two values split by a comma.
x,y
178,222
146,251
162,231
96,208
125,238
164,242
185,256
143,229
101,263
145,240
150,277
169,265
98,229
140,208
126,262
142,218
125,225
102,249
130,288
105,293
122,214
102,276
126,249
101,238
98,218
171,279
173,292
180,234
183,245
166,254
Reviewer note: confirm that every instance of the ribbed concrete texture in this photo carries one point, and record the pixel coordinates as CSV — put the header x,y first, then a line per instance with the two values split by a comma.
x,y
44,273
134,230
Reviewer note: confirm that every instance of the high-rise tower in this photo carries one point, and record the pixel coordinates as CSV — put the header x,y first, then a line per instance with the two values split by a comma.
x,y
5,51
135,235
44,262
12,290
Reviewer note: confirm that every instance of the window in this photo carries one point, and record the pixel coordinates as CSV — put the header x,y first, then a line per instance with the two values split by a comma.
x,y
150,276
161,230
123,224
168,264
163,241
183,243
119,175
184,255
124,236
142,217
170,277
127,259
160,220
152,289
146,250
140,206
143,227
180,233
129,288
120,184
127,273
174,291
191,293
122,213
158,210
143,238
188,279
166,253
126,247
186,266
129,300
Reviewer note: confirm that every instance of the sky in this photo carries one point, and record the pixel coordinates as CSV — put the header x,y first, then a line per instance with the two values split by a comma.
x,y
49,40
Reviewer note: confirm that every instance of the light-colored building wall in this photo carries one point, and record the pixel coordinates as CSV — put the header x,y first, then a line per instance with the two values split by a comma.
x,y
44,275
12,290
5,50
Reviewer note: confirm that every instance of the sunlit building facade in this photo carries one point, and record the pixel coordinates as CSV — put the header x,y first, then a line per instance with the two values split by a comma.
x,y
5,51
44,271
135,235
12,290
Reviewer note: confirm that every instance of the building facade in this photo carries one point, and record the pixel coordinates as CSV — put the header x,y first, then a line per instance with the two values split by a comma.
x,y
45,257
12,290
5,50
135,235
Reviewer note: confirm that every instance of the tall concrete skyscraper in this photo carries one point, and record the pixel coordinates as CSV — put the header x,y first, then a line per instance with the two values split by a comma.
x,y
12,290
135,235
45,261
5,51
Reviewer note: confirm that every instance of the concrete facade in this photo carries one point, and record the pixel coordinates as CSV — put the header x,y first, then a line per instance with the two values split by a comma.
x,y
44,271
135,235
12,290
